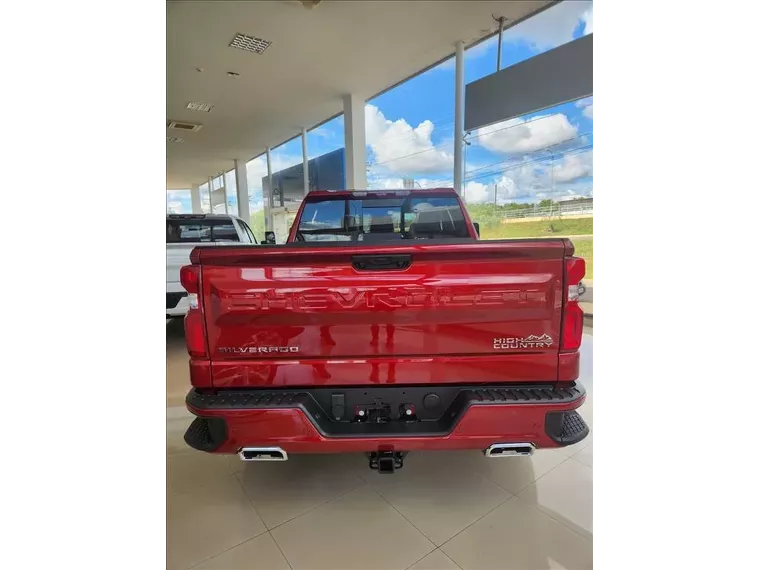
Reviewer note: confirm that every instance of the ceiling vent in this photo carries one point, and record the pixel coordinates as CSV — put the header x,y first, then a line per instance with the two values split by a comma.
x,y
199,106
183,126
174,140
249,43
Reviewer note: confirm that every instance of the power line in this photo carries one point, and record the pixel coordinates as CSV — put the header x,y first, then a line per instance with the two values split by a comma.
x,y
408,155
525,122
503,171
493,172
568,152
406,137
513,166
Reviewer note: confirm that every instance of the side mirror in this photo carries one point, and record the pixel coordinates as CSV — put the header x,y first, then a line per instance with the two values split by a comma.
x,y
270,238
476,228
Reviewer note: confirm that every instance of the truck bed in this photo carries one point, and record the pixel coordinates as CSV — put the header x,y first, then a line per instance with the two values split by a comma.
x,y
406,313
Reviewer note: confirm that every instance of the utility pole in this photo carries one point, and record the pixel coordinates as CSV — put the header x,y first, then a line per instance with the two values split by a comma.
x,y
495,195
500,39
458,130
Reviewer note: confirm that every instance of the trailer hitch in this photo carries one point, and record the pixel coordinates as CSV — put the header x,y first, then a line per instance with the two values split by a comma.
x,y
386,461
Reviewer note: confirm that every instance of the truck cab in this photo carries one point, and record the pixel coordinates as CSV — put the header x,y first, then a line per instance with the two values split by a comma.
x,y
186,231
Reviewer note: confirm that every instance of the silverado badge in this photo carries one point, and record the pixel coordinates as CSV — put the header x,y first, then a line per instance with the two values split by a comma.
x,y
256,349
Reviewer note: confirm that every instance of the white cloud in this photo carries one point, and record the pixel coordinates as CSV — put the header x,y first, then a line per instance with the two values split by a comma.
x,y
587,19
257,169
520,136
400,148
554,26
178,202
593,111
573,166
586,105
523,183
322,133
379,183
175,207
476,192
535,181
386,184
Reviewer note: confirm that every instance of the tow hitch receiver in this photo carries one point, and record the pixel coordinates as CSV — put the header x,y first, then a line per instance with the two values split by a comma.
x,y
386,461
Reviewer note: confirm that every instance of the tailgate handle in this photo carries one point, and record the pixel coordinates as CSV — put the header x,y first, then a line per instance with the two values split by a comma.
x,y
381,262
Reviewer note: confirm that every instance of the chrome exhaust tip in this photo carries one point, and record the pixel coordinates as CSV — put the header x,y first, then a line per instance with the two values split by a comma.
x,y
509,450
262,454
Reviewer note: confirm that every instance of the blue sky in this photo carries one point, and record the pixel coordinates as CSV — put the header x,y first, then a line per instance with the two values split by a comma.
x,y
410,129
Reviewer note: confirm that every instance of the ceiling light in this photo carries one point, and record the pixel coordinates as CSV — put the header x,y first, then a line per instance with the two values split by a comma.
x,y
199,106
174,140
249,43
183,125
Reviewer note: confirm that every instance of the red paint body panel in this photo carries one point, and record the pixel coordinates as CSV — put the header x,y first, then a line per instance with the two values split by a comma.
x,y
497,368
479,428
444,310
569,366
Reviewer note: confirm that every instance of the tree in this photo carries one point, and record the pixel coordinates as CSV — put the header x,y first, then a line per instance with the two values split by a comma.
x,y
257,225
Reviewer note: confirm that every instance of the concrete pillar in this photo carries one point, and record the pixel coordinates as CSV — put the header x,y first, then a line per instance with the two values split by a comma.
x,y
305,162
269,197
243,199
195,197
355,142
458,129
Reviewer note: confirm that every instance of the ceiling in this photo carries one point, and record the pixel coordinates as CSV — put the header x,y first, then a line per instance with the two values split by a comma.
x,y
316,56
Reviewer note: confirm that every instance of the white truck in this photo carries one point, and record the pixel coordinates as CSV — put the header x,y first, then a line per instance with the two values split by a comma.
x,y
183,233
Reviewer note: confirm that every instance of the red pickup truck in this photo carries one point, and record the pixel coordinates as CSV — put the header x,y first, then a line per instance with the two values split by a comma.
x,y
384,326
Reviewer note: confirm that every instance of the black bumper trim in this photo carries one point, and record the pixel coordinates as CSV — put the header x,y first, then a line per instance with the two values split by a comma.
x,y
172,299
206,434
566,427
316,403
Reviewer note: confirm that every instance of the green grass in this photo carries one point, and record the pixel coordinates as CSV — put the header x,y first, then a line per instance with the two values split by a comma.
x,y
584,249
570,227
567,227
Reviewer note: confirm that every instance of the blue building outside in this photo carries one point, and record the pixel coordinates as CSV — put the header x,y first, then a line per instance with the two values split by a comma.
x,y
325,172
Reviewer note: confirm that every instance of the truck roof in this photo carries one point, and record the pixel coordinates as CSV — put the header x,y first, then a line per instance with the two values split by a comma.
x,y
383,192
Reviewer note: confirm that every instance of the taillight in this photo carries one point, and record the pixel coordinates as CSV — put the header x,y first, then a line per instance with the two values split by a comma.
x,y
194,333
189,277
571,333
194,329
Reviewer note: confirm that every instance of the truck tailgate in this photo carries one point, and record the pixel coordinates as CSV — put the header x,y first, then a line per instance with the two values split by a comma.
x,y
433,312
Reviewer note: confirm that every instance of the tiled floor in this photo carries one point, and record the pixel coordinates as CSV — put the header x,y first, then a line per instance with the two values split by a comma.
x,y
444,510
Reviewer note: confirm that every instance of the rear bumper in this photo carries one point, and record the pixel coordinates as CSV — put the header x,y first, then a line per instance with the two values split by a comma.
x,y
303,421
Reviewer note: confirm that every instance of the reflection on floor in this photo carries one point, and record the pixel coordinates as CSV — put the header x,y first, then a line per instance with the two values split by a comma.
x,y
443,510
